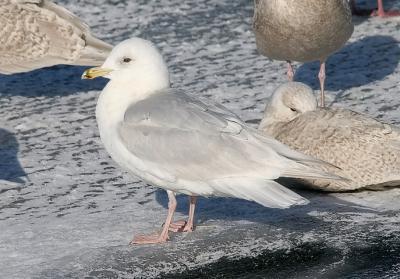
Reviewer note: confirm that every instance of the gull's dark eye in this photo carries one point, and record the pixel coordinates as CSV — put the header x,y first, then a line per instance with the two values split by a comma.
x,y
126,60
293,109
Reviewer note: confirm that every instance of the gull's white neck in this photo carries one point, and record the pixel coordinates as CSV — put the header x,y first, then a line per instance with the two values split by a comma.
x,y
142,76
111,106
116,97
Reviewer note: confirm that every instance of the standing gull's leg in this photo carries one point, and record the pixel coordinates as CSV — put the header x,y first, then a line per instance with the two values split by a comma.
x,y
150,239
381,11
290,71
321,77
183,226
190,223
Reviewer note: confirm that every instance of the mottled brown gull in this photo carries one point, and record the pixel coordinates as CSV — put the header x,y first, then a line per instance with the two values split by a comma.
x,y
366,150
293,30
184,145
39,33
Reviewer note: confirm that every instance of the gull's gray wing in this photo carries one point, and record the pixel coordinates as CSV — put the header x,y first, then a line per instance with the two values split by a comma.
x,y
174,109
191,140
38,34
198,149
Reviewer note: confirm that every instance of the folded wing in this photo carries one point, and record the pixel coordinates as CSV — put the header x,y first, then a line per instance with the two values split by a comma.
x,y
174,134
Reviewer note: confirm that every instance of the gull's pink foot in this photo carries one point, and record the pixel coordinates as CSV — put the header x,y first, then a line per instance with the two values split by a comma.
x,y
188,228
181,226
177,226
163,236
385,14
149,239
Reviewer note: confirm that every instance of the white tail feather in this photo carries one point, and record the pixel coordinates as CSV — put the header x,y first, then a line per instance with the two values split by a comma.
x,y
265,192
310,172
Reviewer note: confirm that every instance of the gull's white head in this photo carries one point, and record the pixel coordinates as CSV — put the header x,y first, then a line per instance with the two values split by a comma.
x,y
288,102
136,62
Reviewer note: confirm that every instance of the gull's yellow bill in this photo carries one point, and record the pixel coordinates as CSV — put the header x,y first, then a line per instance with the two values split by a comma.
x,y
95,72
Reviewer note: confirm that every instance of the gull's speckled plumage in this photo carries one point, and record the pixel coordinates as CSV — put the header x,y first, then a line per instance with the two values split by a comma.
x,y
366,150
303,31
39,33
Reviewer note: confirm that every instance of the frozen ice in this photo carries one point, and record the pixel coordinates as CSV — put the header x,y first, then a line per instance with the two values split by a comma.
x,y
77,211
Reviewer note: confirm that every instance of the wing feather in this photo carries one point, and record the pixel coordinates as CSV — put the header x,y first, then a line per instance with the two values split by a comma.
x,y
207,150
38,34
195,141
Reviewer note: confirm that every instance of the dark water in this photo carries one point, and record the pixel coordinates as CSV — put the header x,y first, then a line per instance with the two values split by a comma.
x,y
373,258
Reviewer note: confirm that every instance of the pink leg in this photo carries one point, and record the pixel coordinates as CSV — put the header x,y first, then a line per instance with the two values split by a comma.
x,y
183,226
163,237
321,77
290,71
381,11
190,223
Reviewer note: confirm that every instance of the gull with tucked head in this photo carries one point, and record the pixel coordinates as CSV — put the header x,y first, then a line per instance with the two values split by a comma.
x,y
288,102
184,145
366,150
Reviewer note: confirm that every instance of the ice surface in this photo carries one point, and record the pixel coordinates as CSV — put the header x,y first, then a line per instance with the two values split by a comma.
x,y
77,211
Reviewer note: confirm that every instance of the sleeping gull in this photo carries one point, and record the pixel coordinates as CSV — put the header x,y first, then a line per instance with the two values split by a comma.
x,y
293,30
366,151
184,145
39,33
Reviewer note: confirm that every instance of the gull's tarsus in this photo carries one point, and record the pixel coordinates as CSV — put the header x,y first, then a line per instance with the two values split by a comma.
x,y
381,11
290,71
190,223
182,225
322,77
